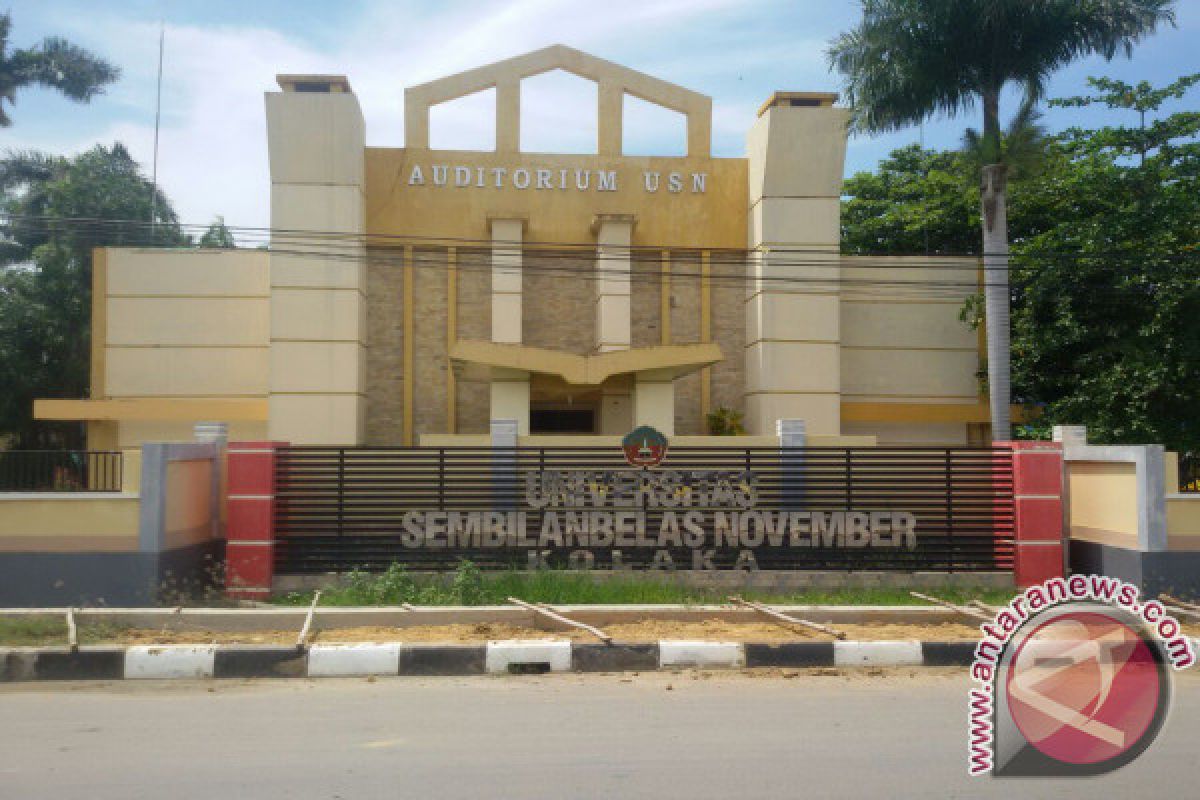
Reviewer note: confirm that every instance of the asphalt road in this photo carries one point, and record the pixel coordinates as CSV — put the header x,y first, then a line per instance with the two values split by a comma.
x,y
690,735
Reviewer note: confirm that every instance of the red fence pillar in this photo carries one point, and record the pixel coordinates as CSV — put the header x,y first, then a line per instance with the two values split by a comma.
x,y
250,527
1038,495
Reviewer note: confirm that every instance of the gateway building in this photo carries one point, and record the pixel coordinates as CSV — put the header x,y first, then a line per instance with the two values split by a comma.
x,y
412,296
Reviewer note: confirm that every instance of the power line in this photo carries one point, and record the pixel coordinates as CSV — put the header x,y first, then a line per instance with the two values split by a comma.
x,y
728,254
540,259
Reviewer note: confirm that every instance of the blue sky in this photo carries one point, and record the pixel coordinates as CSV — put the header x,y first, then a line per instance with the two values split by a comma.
x,y
221,55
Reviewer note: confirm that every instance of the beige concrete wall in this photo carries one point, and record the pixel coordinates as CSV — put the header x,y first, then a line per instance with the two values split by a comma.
x,y
907,344
181,325
133,433
1102,502
188,517
948,434
1183,522
60,523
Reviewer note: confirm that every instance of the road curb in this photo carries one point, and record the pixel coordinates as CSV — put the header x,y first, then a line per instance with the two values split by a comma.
x,y
106,663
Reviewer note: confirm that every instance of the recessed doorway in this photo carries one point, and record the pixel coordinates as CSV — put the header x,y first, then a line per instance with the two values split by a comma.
x,y
562,419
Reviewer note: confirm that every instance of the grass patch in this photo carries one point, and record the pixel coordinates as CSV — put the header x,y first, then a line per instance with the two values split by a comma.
x,y
468,586
43,632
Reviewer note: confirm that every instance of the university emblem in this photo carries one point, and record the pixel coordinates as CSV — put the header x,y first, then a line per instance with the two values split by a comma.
x,y
644,447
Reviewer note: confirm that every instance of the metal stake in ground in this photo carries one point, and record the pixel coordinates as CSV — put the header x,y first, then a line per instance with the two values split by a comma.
x,y
302,640
1175,601
779,616
1180,608
967,612
72,631
558,617
982,606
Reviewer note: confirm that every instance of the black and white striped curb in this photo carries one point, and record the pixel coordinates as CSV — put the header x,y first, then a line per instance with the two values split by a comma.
x,y
513,656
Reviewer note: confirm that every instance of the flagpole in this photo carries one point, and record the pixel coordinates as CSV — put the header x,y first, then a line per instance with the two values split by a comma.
x,y
162,27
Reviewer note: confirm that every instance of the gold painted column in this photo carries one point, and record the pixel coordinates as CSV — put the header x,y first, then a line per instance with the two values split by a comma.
x,y
705,335
614,234
509,388
410,346
451,338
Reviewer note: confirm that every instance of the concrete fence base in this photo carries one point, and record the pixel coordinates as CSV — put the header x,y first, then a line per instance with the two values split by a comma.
x,y
106,663
729,580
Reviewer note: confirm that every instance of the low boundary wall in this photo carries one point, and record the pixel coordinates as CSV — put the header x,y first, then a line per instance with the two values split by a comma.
x,y
157,538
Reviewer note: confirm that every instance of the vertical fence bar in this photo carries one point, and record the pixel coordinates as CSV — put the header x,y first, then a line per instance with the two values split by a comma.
x,y
949,480
846,454
329,528
341,490
441,479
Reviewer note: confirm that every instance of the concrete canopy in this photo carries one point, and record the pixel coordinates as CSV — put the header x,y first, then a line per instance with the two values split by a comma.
x,y
665,362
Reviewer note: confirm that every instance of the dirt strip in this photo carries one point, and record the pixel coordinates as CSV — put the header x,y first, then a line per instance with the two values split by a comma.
x,y
645,631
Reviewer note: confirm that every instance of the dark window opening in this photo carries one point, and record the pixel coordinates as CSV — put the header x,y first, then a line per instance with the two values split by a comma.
x,y
313,86
562,420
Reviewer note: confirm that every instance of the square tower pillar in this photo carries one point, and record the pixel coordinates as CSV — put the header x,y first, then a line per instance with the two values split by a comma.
x,y
315,140
796,151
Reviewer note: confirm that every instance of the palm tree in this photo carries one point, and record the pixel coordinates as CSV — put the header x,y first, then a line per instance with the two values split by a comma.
x,y
56,64
908,60
1022,148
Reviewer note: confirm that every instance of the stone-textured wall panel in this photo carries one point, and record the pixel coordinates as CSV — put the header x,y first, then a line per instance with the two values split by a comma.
x,y
385,348
729,329
559,300
429,333
646,299
474,322
685,329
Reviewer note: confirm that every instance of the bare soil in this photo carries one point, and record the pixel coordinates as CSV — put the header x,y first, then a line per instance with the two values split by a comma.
x,y
644,631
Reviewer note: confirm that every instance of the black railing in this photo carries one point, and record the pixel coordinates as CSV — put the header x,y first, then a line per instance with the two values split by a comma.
x,y
1189,473
352,508
60,471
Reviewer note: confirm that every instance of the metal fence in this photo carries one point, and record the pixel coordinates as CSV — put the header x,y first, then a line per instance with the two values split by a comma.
x,y
1189,473
352,508
60,471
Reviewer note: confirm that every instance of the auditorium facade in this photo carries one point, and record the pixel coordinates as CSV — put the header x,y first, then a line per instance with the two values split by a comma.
x,y
414,296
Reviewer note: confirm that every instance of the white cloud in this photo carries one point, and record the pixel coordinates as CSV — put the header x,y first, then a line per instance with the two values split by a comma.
x,y
212,153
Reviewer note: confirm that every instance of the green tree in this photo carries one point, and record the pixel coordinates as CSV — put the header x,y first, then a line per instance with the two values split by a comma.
x,y
1106,262
56,210
1108,279
915,203
1021,145
1143,99
55,63
218,235
908,60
